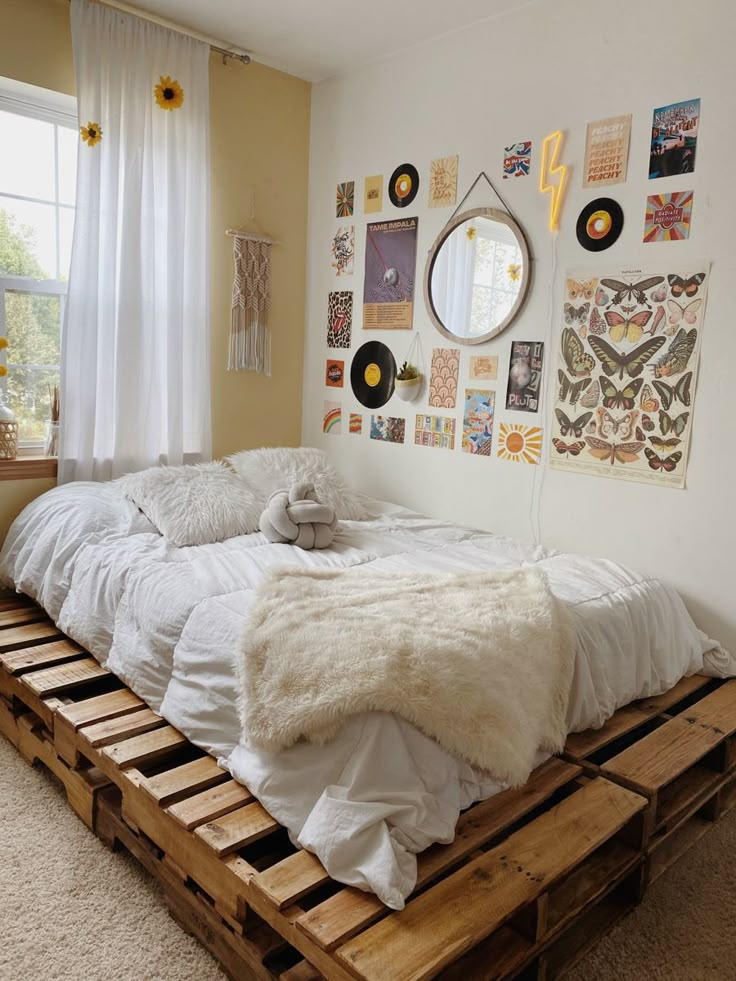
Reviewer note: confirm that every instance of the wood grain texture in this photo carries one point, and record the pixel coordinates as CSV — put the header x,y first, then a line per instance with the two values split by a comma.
x,y
210,804
290,879
42,656
236,829
181,781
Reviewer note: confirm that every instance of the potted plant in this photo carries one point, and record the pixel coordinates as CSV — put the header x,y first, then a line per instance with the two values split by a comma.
x,y
408,382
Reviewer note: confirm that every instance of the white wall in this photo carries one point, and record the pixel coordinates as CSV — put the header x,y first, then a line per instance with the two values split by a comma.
x,y
554,64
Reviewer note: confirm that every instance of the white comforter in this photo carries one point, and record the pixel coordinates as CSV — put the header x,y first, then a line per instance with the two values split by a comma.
x,y
167,621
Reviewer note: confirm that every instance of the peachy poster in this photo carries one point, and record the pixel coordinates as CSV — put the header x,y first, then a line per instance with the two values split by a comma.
x,y
628,364
390,271
606,151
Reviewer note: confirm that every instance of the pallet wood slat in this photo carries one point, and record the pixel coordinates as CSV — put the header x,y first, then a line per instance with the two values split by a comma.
x,y
290,879
100,734
446,922
42,656
62,677
236,829
210,804
143,749
17,616
33,633
189,778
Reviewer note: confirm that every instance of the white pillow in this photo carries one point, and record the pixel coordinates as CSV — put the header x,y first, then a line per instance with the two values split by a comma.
x,y
277,468
195,505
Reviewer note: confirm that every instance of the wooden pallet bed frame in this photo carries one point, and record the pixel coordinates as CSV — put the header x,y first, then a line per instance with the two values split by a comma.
x,y
533,879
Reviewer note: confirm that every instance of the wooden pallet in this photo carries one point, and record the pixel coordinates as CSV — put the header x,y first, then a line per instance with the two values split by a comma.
x,y
532,879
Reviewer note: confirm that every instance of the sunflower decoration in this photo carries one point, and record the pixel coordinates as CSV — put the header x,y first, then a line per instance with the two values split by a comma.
x,y
91,133
3,343
514,271
169,94
3,371
471,232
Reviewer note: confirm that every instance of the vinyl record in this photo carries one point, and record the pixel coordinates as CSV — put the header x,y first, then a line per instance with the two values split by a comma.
x,y
599,224
403,185
372,374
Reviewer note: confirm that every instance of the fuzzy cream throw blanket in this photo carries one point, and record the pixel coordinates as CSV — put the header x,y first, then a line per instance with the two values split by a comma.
x,y
481,662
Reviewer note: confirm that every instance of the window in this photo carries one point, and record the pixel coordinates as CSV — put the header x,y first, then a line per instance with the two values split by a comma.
x,y
494,289
38,134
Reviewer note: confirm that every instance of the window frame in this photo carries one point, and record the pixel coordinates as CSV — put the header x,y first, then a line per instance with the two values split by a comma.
x,y
61,110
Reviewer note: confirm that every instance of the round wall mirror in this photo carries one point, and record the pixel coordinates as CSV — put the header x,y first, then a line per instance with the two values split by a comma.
x,y
477,276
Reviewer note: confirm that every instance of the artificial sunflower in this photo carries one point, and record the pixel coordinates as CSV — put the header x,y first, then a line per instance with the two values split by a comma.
x,y
169,94
3,343
471,232
514,272
91,133
3,371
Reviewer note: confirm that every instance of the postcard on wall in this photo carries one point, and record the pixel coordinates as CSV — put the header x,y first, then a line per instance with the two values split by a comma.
x,y
345,200
390,269
483,367
520,444
478,421
667,218
339,318
356,423
525,376
334,373
343,250
373,194
437,431
332,418
443,377
607,151
627,370
443,182
517,159
674,139
388,429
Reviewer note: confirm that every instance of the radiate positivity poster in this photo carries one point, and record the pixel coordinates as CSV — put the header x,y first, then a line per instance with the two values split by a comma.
x,y
390,274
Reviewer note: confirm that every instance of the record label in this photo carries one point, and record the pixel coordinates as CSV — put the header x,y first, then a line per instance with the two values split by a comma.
x,y
403,185
372,374
599,224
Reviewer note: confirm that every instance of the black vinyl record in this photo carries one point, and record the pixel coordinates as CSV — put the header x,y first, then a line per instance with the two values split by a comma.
x,y
599,224
403,185
372,374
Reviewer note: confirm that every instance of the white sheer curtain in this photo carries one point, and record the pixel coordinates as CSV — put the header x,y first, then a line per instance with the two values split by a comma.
x,y
135,374
452,280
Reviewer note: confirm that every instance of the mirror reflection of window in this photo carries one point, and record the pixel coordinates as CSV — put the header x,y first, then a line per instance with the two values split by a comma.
x,y
476,277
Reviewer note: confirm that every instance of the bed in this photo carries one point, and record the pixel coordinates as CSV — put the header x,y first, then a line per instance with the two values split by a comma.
x,y
167,622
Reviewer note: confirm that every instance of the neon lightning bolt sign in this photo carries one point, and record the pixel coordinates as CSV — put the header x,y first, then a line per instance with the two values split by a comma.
x,y
553,175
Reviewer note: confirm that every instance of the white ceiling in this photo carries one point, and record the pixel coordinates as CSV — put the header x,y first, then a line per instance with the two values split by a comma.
x,y
316,39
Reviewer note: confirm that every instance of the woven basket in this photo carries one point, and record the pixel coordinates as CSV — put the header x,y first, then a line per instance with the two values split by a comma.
x,y
8,440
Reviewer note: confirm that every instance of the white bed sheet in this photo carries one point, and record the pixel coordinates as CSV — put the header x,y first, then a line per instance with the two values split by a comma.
x,y
167,621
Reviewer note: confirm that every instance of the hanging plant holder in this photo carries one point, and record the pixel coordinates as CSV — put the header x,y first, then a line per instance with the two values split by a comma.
x,y
408,382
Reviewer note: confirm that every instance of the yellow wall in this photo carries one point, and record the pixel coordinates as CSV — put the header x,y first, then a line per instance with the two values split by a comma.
x,y
260,143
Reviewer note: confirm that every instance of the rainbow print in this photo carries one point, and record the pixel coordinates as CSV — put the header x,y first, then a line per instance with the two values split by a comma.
x,y
332,418
522,444
667,217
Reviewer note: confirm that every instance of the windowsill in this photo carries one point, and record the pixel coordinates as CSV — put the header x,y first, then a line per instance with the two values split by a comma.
x,y
28,468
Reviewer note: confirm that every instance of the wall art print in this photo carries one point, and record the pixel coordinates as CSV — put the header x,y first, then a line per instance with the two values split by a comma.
x,y
483,367
480,406
517,159
356,423
674,139
525,376
443,377
667,218
443,182
373,194
607,151
388,429
627,368
334,373
437,431
343,250
390,271
345,200
520,444
339,318
332,418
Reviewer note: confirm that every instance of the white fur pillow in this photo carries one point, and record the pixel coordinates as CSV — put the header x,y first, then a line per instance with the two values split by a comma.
x,y
195,505
278,467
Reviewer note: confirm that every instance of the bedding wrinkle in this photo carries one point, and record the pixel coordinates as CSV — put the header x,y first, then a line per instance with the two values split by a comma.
x,y
170,621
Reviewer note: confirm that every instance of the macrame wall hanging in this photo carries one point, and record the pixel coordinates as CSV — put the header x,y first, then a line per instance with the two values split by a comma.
x,y
250,336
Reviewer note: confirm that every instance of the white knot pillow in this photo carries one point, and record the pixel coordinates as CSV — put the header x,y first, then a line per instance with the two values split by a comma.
x,y
296,517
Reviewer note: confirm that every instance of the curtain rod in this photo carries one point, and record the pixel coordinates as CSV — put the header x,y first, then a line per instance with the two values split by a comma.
x,y
237,54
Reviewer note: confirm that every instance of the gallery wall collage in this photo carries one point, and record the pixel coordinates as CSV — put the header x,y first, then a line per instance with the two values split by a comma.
x,y
624,364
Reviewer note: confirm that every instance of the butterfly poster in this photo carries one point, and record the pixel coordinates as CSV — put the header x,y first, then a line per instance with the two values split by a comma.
x,y
627,364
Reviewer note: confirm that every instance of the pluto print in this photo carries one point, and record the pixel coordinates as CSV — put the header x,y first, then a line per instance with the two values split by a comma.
x,y
627,367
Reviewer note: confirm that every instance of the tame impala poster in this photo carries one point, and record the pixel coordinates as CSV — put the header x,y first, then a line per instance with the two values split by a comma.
x,y
627,369
390,273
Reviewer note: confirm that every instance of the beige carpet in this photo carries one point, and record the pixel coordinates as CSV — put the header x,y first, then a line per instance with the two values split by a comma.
x,y
70,910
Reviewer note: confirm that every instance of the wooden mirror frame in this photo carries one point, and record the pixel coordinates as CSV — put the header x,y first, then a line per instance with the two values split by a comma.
x,y
495,215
